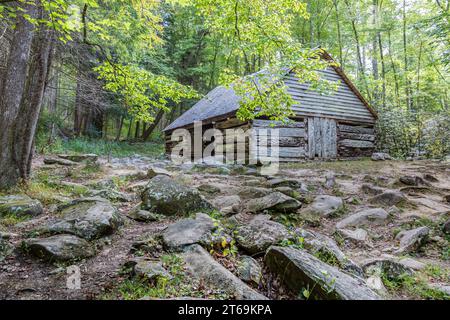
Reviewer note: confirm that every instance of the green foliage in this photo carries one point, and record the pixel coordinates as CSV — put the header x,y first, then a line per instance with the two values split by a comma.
x,y
106,148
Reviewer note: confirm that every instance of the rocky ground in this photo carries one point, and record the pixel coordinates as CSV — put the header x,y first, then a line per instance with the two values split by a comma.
x,y
140,228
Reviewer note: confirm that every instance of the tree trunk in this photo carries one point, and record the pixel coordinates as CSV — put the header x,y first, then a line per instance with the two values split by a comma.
x,y
26,122
119,128
152,127
11,92
407,85
338,26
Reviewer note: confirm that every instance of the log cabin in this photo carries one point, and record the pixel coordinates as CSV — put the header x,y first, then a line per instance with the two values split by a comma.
x,y
335,126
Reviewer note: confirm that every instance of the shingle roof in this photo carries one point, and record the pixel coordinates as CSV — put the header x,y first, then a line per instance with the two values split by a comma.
x,y
222,101
217,102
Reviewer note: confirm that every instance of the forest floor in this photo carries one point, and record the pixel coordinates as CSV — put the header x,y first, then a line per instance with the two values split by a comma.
x,y
106,275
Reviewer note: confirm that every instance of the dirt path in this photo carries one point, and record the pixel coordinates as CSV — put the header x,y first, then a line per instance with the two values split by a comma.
x,y
23,277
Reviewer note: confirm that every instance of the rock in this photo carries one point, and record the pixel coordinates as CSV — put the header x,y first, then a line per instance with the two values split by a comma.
x,y
142,215
447,198
411,240
411,263
357,235
387,266
325,206
60,248
300,270
388,198
209,188
375,283
165,196
381,156
446,227
20,206
80,157
137,187
290,193
5,249
155,171
112,195
204,267
259,234
374,216
149,269
430,178
273,202
412,180
188,231
319,244
254,192
78,187
88,218
281,182
444,288
249,270
371,189
226,201
62,162
330,181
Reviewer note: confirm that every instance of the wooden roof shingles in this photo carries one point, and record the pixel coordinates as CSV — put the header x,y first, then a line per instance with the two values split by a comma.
x,y
222,102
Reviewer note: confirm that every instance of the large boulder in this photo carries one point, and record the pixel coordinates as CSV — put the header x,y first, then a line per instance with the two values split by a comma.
x,y
60,248
165,196
411,240
388,198
188,231
373,216
381,156
20,206
412,180
202,266
273,202
254,192
326,248
304,273
259,234
89,157
226,201
88,218
324,206
60,161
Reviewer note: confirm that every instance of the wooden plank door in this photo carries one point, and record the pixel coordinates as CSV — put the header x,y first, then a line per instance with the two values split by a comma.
x,y
322,138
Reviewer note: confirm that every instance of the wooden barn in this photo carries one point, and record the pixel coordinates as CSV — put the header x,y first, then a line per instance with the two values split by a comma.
x,y
336,126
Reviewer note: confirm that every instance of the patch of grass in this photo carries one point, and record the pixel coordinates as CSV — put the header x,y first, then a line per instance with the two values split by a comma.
x,y
179,285
417,285
105,148
11,219
327,257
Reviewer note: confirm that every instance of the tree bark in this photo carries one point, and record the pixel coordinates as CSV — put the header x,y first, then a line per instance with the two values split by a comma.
x,y
152,127
11,94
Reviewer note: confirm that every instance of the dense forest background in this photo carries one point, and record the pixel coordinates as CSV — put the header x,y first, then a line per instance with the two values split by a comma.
x,y
113,70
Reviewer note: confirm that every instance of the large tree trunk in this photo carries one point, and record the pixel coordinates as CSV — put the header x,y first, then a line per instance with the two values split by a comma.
x,y
11,92
26,122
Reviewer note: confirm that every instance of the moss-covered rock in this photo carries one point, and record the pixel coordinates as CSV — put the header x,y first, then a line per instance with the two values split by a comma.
x,y
88,218
60,248
164,195
20,206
